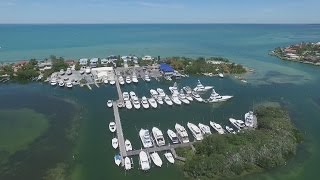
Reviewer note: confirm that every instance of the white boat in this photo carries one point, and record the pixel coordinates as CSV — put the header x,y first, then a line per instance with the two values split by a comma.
x,y
175,99
61,72
69,84
117,159
201,88
112,126
215,97
182,97
156,159
159,100
205,129
161,92
127,163
158,136
167,100
249,119
147,78
196,132
132,94
230,130
187,89
169,157
239,124
197,97
134,78
61,83
112,82
81,71
88,70
182,133
153,102
174,89
144,161
217,127
53,82
121,80
128,80
154,93
189,97
136,102
173,136
115,143
221,75
144,102
125,96
128,145
145,138
128,104
105,81
109,103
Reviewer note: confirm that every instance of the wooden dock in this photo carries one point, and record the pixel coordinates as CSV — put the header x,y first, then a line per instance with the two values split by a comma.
x,y
120,136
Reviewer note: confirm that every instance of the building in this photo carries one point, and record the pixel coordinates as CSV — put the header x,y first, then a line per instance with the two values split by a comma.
x,y
104,61
94,62
166,69
45,65
83,61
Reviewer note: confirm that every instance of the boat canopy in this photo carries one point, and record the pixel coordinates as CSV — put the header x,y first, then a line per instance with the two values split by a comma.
x,y
166,68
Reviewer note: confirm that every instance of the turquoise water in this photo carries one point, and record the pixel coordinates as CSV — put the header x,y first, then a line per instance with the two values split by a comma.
x,y
294,85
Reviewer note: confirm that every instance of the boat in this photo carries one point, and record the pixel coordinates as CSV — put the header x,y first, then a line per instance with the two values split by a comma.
x,y
134,78
239,124
125,96
61,83
189,97
145,138
167,100
127,163
201,88
128,104
169,157
128,80
144,102
53,82
161,92
197,97
159,100
205,129
105,81
221,75
173,136
196,132
182,133
69,84
174,89
61,72
230,130
144,161
112,126
112,82
88,70
154,93
156,159
158,136
121,80
117,159
109,103
153,102
215,97
187,89
128,145
182,97
69,72
175,99
136,102
147,78
217,127
249,119
115,143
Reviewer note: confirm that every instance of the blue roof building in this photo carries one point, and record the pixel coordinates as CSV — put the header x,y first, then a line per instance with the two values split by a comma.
x,y
166,69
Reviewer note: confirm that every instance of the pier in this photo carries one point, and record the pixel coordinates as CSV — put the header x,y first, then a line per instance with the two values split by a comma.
x,y
120,137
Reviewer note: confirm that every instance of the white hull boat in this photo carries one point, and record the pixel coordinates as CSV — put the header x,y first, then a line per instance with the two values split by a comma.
x,y
189,97
173,136
159,100
128,145
239,124
158,136
182,133
182,97
197,97
144,161
215,97
109,103
230,130
167,100
115,143
105,81
187,89
204,129
161,92
136,103
175,99
125,96
121,80
147,78
128,104
145,138
127,163
217,127
156,159
134,79
112,82
196,132
69,85
61,84
249,119
221,75
53,82
169,157
117,159
112,126
153,102
144,102
153,93
174,89
128,80
201,88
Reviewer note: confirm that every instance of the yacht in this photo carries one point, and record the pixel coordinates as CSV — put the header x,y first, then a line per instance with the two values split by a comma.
x,y
147,78
115,143
61,83
159,100
197,97
169,157
230,130
249,119
53,82
134,78
144,161
201,88
117,159
158,136
217,127
175,99
182,133
144,102
109,103
125,96
61,72
215,97
167,100
112,126
153,102
128,145
127,163
173,136
154,93
187,89
196,132
205,129
221,75
128,80
239,124
88,70
136,102
145,138
112,82
182,97
189,97
161,92
69,84
128,104
156,159
174,89
121,80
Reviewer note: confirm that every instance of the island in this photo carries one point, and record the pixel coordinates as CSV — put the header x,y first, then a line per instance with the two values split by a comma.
x,y
271,145
308,53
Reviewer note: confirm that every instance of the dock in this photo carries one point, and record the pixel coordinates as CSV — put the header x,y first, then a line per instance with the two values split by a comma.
x,y
120,136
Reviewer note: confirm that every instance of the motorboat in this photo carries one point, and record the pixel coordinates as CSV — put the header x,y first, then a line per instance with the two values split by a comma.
x,y
174,89
205,129
182,97
182,133
144,102
134,78
61,72
158,136
109,103
161,92
112,126
154,93
121,80
187,89
61,83
249,119
189,97
69,84
128,104
144,161
196,132
217,127
136,102
175,99
105,80
53,82
147,78
68,72
132,94
159,100
169,157
239,124
201,88
196,96
156,159
81,71
221,75
127,163
128,145
87,70
125,96
167,100
112,82
173,136
117,159
115,143
215,97
230,130
145,138
128,80
153,102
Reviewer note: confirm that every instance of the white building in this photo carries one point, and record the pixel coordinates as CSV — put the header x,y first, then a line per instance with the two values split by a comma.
x,y
94,62
83,61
